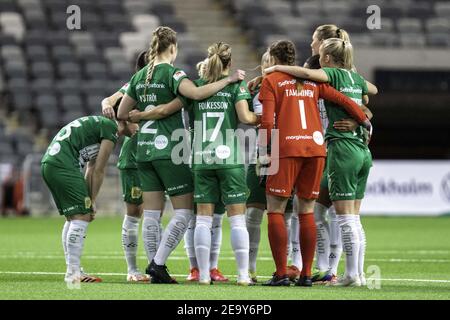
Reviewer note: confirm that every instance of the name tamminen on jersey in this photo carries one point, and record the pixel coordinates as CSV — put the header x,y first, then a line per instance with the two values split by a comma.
x,y
296,93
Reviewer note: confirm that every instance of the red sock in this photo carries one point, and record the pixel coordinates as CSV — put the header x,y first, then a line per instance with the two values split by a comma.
x,y
278,241
307,241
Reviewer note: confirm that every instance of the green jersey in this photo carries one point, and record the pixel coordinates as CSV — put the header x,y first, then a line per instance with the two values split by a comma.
x,y
154,140
79,141
127,156
353,86
215,144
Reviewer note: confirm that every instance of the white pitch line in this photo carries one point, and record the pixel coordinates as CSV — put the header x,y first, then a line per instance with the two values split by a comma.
x,y
183,257
185,275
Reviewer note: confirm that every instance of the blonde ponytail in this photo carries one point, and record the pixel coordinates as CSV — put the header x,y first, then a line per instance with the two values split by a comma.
x,y
340,51
162,38
327,31
219,58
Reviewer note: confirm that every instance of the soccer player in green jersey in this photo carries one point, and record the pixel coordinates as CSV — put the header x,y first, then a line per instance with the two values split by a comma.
x,y
219,172
161,112
131,188
161,171
84,141
346,179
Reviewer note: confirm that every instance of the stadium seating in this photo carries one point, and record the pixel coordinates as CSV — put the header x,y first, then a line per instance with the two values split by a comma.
x,y
56,75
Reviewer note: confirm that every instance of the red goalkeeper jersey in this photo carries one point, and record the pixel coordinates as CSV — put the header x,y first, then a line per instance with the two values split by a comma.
x,y
290,105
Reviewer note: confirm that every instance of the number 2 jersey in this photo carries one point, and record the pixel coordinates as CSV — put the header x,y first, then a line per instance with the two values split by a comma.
x,y
79,141
290,105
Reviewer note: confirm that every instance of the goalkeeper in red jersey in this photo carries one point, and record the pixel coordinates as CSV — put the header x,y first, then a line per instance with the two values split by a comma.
x,y
290,107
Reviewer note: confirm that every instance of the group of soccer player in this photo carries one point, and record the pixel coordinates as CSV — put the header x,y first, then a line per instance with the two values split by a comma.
x,y
182,141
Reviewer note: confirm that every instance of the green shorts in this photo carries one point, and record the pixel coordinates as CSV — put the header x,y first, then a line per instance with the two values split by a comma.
x,y
324,181
226,185
68,188
131,186
258,193
164,175
348,169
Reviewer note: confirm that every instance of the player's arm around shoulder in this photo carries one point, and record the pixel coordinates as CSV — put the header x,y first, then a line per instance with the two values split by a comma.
x,y
318,75
108,104
159,112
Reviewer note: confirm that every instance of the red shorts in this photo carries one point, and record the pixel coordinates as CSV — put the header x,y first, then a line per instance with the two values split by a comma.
x,y
303,174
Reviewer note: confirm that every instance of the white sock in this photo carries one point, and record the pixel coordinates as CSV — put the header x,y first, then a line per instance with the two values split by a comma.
x,y
362,244
150,232
335,241
130,233
254,218
350,243
189,243
64,239
216,240
240,244
296,254
161,229
75,241
173,234
323,237
287,223
202,243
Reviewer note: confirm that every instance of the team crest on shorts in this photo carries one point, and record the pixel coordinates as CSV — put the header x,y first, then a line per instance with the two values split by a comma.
x,y
136,192
87,202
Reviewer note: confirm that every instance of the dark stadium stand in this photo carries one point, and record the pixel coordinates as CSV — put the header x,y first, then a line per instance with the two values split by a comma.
x,y
48,76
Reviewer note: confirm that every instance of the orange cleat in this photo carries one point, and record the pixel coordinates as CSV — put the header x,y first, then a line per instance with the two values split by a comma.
x,y
293,272
217,276
194,275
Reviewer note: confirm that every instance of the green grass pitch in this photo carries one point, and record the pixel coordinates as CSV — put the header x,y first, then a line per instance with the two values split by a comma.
x,y
413,255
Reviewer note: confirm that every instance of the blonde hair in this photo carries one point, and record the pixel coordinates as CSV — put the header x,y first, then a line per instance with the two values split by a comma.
x,y
201,66
219,58
162,38
327,31
265,58
340,50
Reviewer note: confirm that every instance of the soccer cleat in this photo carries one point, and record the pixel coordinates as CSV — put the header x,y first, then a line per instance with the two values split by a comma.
x,y
321,276
84,277
253,276
138,277
216,275
346,281
293,273
304,281
194,275
245,282
160,274
278,281
362,279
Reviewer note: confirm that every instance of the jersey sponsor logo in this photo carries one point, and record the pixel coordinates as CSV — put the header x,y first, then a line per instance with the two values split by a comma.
x,y
223,152
223,94
350,90
286,82
150,85
306,82
54,149
301,93
177,76
161,142
274,190
242,90
318,137
300,137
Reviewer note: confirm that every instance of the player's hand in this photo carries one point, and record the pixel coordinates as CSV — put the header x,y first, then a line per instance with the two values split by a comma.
x,y
108,112
270,69
368,130
238,75
254,83
134,116
133,128
345,125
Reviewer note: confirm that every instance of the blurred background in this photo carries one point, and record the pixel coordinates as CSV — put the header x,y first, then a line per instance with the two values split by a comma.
x,y
50,75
